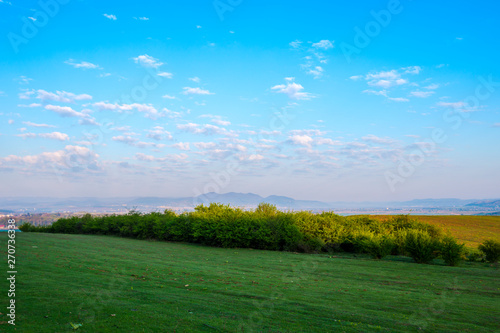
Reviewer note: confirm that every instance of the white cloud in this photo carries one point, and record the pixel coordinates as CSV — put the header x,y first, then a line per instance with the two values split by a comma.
x,y
61,96
26,94
323,44
206,129
374,92
375,139
309,132
143,18
124,139
195,79
144,157
204,145
326,141
295,44
158,133
221,122
27,135
453,105
422,94
398,99
82,64
255,157
147,61
412,69
110,16
55,136
292,90
181,145
32,105
165,74
168,96
301,140
316,71
24,79
65,111
172,114
149,110
216,119
72,158
385,79
196,91
29,123
432,86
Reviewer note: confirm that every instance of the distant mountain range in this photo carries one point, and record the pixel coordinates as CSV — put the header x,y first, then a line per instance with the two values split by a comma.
x,y
245,200
495,204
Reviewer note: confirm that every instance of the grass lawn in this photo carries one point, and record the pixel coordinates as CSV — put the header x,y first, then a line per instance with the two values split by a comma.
x,y
469,229
111,284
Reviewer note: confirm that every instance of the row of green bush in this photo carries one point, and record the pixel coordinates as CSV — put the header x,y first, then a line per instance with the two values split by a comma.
x,y
270,229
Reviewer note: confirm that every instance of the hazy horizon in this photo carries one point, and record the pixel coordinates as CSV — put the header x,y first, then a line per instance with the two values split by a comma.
x,y
365,101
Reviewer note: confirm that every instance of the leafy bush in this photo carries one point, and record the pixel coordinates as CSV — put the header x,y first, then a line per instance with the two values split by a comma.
x,y
378,246
474,255
491,250
421,246
264,228
451,252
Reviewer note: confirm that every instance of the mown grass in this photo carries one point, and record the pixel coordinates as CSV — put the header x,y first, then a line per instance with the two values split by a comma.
x,y
469,229
112,284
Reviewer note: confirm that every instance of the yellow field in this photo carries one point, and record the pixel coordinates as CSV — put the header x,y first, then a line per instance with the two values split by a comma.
x,y
471,230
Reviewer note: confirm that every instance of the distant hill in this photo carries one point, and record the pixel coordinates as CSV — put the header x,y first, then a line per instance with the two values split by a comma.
x,y
251,200
244,200
486,204
490,214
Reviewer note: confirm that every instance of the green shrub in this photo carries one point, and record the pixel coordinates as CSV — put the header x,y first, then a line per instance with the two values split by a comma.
x,y
491,250
399,242
421,246
266,209
451,252
378,246
27,227
474,255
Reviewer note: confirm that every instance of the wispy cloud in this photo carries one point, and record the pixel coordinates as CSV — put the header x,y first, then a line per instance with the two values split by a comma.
x,y
292,90
54,136
29,123
422,94
82,64
295,44
147,61
323,44
196,91
110,16
165,74
61,96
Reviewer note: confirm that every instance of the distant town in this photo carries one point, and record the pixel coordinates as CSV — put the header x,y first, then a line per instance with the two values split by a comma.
x,y
44,211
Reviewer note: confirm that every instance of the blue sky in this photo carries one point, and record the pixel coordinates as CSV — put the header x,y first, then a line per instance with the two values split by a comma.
x,y
369,100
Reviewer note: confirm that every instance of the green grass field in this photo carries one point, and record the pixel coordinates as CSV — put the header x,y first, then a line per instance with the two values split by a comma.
x,y
469,229
111,284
